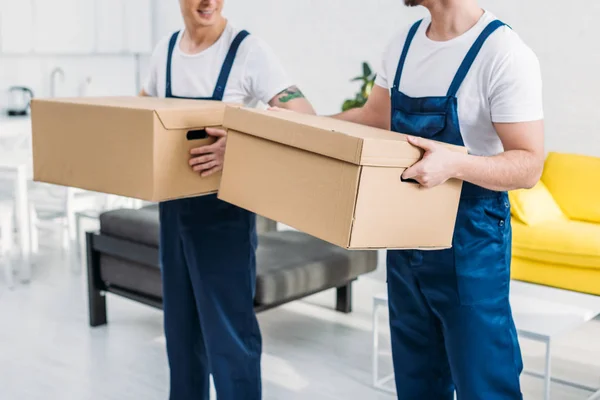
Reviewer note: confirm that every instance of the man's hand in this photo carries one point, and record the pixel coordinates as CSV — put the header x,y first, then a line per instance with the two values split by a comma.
x,y
519,166
209,159
437,165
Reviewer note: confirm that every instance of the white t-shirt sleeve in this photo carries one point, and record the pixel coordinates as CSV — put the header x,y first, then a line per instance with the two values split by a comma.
x,y
159,57
386,73
381,77
265,76
516,87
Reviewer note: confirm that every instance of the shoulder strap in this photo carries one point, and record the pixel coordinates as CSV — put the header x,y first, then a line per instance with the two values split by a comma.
x,y
409,39
172,43
471,55
227,65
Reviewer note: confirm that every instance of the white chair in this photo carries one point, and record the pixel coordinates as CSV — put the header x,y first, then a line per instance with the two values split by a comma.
x,y
7,240
14,176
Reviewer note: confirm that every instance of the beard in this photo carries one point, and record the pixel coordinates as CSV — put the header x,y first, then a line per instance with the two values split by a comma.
x,y
412,3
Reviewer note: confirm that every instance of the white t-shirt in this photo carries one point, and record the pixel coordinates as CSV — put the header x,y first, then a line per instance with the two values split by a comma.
x,y
257,74
504,83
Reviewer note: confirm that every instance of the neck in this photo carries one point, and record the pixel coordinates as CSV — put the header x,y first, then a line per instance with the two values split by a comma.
x,y
452,18
198,38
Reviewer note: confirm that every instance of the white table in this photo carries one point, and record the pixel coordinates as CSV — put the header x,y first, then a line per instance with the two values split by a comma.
x,y
541,313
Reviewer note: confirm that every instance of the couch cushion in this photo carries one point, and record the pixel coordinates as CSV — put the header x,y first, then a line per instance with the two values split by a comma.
x,y
573,181
140,226
584,280
535,205
129,275
564,242
291,264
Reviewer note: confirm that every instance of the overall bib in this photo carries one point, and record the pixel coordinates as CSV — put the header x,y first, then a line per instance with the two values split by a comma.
x,y
450,318
207,252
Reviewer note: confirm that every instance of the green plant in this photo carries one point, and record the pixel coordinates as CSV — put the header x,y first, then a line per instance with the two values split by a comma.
x,y
368,80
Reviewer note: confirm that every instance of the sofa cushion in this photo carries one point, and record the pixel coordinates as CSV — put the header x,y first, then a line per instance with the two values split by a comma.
x,y
138,225
584,280
144,279
565,242
573,181
292,264
535,205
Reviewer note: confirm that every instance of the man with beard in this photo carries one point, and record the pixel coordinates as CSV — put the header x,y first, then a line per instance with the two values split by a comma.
x,y
207,247
463,77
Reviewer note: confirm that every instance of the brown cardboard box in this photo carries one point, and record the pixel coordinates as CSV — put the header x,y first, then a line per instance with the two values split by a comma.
x,y
131,146
335,180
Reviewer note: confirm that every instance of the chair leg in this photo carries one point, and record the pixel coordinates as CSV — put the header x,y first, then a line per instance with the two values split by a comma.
x,y
96,300
344,298
33,230
6,244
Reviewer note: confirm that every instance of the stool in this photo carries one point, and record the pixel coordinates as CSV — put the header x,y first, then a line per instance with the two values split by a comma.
x,y
379,301
7,240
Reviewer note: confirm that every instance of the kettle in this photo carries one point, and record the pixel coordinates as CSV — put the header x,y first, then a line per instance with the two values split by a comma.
x,y
19,100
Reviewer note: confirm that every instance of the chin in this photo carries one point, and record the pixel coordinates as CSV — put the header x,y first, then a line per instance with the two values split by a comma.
x,y
413,3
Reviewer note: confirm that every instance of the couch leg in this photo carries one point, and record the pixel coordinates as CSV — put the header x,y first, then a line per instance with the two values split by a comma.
x,y
96,301
344,299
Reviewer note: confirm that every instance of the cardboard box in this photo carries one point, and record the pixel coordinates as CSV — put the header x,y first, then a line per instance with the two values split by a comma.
x,y
130,146
335,180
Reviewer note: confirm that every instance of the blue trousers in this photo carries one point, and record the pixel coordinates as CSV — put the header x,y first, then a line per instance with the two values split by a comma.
x,y
208,272
450,317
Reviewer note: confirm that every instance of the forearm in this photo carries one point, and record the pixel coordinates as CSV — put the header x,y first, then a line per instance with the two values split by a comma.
x,y
511,170
362,116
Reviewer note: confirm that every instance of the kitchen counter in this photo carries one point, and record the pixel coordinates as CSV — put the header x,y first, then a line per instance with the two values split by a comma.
x,y
18,125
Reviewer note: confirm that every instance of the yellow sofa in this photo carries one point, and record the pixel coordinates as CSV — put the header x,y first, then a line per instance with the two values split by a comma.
x,y
556,225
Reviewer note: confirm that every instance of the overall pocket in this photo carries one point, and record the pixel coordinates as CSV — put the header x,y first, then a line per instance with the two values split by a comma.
x,y
426,125
482,258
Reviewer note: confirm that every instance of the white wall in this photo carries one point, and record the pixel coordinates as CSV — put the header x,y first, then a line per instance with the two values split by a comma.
x,y
323,43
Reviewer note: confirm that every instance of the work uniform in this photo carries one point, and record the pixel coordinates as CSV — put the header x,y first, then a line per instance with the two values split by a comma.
x,y
207,246
450,317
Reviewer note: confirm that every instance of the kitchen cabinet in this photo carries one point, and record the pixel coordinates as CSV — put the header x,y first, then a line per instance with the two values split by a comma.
x,y
110,26
63,26
16,26
138,25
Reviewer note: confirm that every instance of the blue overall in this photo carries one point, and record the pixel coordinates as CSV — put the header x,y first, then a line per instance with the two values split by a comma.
x,y
450,318
207,251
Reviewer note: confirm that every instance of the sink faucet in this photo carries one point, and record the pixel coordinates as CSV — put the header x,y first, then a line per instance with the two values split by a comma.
x,y
55,71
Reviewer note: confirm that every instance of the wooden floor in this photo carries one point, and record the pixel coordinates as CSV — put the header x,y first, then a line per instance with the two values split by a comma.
x,y
47,350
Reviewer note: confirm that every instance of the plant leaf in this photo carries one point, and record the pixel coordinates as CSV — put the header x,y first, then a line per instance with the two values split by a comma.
x,y
366,69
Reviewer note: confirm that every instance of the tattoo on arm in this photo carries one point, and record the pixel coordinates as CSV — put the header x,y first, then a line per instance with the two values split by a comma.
x,y
289,94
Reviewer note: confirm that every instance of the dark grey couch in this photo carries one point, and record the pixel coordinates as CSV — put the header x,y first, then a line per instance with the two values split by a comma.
x,y
123,259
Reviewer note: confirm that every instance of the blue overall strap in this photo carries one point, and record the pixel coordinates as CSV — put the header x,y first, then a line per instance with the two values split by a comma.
x,y
227,65
172,43
471,55
409,38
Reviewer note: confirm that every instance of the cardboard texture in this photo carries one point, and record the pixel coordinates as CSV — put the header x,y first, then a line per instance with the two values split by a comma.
x,y
335,180
130,146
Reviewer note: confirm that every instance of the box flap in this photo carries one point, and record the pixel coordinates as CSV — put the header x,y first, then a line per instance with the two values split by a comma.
x,y
173,113
197,114
347,141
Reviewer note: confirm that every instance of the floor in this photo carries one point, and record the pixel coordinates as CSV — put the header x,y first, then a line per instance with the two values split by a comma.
x,y
47,350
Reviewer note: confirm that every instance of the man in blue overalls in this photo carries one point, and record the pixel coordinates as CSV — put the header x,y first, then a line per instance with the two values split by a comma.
x,y
459,76
208,246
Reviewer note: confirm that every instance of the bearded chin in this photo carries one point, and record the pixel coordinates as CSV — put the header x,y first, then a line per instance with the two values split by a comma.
x,y
412,3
